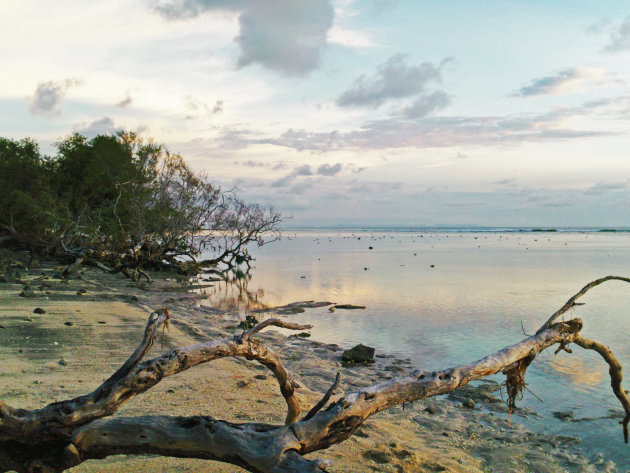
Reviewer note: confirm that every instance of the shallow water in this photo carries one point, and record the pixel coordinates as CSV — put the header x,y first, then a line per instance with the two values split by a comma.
x,y
447,298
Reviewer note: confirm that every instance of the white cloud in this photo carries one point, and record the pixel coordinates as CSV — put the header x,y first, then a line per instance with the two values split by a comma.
x,y
286,36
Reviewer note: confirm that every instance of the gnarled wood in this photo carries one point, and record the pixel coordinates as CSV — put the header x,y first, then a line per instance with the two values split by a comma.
x,y
65,434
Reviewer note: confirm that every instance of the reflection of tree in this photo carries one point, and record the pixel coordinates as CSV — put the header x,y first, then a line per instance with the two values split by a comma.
x,y
231,290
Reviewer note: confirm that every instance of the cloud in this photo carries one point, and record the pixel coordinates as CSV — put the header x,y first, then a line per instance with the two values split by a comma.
x,y
303,171
325,170
394,79
218,107
125,102
432,132
567,81
506,182
620,39
603,187
427,104
285,36
328,170
48,96
101,126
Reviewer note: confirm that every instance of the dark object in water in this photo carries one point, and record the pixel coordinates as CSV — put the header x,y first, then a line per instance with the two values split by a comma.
x,y
349,306
39,310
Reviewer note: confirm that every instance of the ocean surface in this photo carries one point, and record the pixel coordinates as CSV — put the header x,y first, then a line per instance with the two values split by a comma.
x,y
448,296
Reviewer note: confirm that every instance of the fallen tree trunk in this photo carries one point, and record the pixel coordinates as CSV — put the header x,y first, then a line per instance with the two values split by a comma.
x,y
64,434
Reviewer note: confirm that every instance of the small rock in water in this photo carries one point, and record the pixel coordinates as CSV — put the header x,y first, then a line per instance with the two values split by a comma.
x,y
331,309
69,324
358,354
80,292
469,403
63,362
566,416
431,410
39,310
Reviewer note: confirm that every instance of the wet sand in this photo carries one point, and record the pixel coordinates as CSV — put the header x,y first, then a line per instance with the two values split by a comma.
x,y
84,336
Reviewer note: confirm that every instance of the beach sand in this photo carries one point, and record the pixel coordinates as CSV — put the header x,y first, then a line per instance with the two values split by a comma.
x,y
92,324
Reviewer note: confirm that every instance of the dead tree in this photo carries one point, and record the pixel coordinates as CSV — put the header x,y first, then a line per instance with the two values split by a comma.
x,y
64,434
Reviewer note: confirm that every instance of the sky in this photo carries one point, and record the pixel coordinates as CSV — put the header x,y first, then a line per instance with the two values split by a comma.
x,y
346,112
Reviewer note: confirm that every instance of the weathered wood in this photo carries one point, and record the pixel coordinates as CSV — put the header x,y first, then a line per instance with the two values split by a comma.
x,y
67,433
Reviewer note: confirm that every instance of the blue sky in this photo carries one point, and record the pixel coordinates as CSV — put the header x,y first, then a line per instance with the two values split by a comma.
x,y
347,111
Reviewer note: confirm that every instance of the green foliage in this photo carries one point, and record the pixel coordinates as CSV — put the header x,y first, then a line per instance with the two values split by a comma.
x,y
124,200
27,203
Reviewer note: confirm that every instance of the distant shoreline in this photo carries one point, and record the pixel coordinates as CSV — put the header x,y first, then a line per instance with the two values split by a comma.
x,y
458,229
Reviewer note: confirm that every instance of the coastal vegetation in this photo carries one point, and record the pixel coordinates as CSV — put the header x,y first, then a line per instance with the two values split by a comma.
x,y
125,205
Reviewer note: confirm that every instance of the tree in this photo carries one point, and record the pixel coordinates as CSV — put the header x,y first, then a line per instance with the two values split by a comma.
x,y
125,205
64,434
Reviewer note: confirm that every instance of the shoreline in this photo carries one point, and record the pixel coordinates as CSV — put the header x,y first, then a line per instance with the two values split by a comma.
x,y
83,337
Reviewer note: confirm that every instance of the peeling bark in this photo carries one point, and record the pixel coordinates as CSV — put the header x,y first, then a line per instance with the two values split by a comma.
x,y
64,434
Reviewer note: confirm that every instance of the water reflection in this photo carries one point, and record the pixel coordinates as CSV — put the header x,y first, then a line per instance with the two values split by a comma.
x,y
230,290
446,299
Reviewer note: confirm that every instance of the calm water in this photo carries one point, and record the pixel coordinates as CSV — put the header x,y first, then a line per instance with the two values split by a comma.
x,y
471,302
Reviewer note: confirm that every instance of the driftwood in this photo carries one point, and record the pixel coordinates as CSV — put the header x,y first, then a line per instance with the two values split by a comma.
x,y
64,434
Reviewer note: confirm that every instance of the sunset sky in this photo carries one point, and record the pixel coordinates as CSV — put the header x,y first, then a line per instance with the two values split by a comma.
x,y
373,112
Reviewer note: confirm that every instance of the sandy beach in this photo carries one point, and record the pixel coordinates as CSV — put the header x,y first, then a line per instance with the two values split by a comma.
x,y
91,324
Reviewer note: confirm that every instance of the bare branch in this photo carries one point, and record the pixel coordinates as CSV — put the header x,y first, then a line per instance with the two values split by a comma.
x,y
571,302
616,376
272,322
323,401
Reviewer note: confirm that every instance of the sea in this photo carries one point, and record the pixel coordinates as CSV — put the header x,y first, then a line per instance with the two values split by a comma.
x,y
451,295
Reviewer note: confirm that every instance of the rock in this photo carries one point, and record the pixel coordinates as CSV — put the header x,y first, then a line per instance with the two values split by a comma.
x,y
331,309
358,354
63,362
27,291
566,416
69,324
431,410
469,403
303,335
370,248
349,306
242,384
260,376
134,299
81,291
39,310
